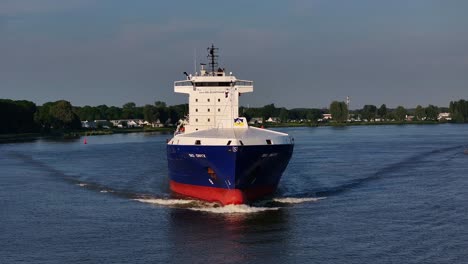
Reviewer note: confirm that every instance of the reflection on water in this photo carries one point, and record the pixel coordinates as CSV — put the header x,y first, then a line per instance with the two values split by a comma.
x,y
227,238
383,194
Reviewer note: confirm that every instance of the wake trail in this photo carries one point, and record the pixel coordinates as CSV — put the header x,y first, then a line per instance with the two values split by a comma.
x,y
166,200
395,167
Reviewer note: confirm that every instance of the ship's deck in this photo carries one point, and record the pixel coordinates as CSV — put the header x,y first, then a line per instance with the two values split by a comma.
x,y
232,136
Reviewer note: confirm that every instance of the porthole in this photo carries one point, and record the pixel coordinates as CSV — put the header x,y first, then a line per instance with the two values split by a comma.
x,y
196,120
219,109
196,110
208,120
208,109
219,100
196,100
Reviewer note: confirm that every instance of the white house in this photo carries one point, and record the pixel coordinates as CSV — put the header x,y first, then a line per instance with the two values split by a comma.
x,y
273,120
444,117
256,120
88,124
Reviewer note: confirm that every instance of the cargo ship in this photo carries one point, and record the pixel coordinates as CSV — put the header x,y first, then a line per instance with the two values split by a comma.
x,y
215,155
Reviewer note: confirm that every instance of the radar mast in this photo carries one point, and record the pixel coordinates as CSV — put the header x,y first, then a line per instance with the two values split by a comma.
x,y
213,58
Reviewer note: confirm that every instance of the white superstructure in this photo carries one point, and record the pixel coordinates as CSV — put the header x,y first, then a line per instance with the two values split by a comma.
x,y
213,99
213,117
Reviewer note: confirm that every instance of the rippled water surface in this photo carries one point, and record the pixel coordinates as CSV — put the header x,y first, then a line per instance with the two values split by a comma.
x,y
376,194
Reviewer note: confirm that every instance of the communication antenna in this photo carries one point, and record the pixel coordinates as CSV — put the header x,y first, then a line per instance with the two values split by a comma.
x,y
347,106
213,58
194,61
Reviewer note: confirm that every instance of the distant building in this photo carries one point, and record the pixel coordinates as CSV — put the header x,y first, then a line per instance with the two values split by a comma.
x,y
256,120
326,117
122,123
444,117
273,120
88,124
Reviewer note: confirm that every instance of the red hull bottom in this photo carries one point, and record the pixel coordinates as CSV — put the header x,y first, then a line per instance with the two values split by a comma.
x,y
223,196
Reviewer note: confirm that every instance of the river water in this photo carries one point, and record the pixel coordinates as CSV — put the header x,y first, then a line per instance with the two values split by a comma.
x,y
364,194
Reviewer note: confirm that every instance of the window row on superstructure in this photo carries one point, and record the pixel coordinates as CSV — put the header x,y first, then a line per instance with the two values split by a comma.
x,y
208,100
208,110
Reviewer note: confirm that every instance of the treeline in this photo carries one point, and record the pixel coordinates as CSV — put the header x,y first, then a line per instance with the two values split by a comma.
x,y
459,111
151,113
282,113
341,113
17,116
26,117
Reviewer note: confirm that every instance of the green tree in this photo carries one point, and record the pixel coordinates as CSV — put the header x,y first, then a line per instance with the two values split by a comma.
x,y
339,111
432,112
382,112
17,116
420,113
150,113
63,117
400,113
313,115
369,112
284,115
129,111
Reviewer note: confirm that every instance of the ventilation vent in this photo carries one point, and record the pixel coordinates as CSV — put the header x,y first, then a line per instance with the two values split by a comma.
x,y
268,141
197,142
242,143
229,142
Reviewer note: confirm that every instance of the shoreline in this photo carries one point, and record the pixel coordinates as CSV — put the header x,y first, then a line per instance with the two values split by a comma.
x,y
24,137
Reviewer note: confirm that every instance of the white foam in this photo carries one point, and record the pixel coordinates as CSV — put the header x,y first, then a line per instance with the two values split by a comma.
x,y
234,209
293,200
165,201
82,184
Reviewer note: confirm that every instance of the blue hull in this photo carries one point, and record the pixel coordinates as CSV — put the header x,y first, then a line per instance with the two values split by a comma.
x,y
254,170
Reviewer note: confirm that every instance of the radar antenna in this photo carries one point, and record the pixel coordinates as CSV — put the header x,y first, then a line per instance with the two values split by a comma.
x,y
213,58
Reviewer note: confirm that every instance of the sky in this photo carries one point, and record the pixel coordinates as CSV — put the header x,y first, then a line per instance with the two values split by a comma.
x,y
299,53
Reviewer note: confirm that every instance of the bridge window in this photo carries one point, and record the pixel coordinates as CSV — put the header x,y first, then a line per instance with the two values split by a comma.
x,y
204,84
244,83
184,83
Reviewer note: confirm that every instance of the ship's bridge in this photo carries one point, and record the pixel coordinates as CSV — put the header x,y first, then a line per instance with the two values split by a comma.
x,y
213,99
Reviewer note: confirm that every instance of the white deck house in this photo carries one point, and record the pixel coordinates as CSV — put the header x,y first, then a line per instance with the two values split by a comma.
x,y
213,100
